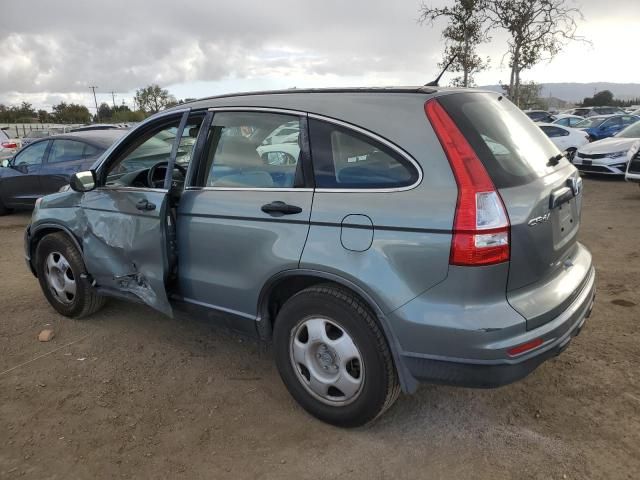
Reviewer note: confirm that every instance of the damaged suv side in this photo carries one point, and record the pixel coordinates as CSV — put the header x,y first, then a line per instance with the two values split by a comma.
x,y
435,242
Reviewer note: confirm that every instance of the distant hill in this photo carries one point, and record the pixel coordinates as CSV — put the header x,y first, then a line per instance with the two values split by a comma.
x,y
576,92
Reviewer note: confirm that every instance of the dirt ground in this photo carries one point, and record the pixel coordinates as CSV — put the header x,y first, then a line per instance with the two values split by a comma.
x,y
129,393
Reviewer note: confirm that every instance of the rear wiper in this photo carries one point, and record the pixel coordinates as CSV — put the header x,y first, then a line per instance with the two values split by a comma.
x,y
553,161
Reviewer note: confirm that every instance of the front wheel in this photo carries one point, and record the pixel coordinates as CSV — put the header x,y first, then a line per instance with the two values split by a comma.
x,y
333,357
62,276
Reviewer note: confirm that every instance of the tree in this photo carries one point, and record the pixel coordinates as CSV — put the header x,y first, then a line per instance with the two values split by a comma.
x,y
153,98
104,112
43,116
71,113
464,32
537,28
605,97
123,113
529,95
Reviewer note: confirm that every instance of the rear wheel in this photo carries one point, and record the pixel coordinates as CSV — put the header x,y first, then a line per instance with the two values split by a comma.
x,y
333,357
62,276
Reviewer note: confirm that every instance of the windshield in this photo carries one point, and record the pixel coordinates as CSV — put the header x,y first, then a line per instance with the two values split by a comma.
x,y
590,122
512,148
632,131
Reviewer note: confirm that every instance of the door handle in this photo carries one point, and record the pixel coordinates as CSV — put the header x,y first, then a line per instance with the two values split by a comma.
x,y
145,205
280,208
560,196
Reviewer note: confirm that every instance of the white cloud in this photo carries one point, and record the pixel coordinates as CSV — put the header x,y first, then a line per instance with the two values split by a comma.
x,y
56,50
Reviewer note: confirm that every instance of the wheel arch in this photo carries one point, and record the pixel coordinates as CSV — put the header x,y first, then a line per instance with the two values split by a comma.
x,y
282,286
37,233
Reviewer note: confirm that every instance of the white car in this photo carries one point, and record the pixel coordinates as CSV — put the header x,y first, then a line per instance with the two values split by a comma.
x,y
287,133
280,154
567,120
633,166
565,138
609,155
8,146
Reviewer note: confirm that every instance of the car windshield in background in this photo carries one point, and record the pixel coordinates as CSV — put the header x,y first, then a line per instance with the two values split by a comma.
x,y
632,131
38,134
512,148
590,122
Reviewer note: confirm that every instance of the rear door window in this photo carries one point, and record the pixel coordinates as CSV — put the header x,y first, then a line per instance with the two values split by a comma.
x,y
554,131
69,150
343,158
513,150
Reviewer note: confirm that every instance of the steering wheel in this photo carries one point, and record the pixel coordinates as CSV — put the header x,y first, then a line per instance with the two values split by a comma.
x,y
159,183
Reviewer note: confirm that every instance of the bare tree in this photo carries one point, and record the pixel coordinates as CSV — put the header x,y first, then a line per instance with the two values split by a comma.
x,y
466,29
537,29
153,98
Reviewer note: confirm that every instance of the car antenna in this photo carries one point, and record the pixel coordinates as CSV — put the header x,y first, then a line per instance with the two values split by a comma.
x,y
435,82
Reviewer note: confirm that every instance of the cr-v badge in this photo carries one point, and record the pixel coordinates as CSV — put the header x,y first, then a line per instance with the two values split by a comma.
x,y
535,221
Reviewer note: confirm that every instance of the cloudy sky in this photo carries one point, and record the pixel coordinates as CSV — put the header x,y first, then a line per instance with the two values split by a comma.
x,y
52,51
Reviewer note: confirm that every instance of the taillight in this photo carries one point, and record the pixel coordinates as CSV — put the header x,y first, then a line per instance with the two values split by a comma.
x,y
9,144
481,225
525,347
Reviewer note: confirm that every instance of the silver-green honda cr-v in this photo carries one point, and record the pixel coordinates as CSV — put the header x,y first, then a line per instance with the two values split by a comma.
x,y
378,237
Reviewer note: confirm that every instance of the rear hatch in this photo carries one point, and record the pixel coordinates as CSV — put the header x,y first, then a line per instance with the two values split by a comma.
x,y
542,195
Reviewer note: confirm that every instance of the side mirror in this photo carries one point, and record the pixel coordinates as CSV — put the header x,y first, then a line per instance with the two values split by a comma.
x,y
6,163
83,181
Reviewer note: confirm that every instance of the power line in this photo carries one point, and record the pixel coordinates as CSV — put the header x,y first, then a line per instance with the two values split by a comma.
x,y
93,89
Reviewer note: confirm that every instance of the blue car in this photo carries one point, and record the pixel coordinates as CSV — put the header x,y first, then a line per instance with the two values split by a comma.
x,y
46,164
605,126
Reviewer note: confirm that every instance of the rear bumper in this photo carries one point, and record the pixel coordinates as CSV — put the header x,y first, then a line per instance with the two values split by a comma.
x,y
502,369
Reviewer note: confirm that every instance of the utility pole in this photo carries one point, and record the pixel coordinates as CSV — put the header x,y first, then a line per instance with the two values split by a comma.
x,y
113,97
93,89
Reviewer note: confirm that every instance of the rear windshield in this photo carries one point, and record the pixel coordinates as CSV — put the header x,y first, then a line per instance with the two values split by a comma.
x,y
512,148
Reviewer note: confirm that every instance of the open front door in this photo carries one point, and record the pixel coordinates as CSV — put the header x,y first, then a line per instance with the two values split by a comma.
x,y
126,219
125,243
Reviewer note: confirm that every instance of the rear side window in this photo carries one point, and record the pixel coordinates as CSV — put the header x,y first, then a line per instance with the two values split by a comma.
x,y
344,158
512,148
70,150
554,131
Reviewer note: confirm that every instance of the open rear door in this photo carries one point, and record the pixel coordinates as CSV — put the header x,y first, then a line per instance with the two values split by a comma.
x,y
125,234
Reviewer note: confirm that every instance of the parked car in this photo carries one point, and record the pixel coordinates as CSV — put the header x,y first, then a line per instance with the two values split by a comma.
x,y
605,126
46,165
608,156
633,167
96,126
434,241
540,116
565,138
593,111
8,146
567,120
33,135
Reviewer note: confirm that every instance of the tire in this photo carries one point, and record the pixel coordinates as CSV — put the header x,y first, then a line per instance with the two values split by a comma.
x,y
64,281
3,210
571,153
352,352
